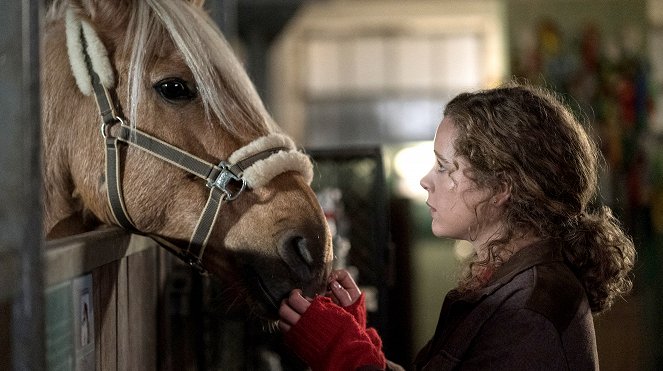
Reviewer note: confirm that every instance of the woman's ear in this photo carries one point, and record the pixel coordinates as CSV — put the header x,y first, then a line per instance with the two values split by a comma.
x,y
502,194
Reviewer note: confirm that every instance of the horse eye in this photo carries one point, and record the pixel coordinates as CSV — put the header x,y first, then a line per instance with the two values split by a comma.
x,y
174,90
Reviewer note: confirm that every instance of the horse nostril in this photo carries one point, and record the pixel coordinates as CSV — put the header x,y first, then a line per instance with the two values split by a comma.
x,y
295,252
302,250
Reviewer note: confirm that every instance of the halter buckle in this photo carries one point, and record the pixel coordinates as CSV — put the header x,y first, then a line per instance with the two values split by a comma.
x,y
226,181
107,125
194,262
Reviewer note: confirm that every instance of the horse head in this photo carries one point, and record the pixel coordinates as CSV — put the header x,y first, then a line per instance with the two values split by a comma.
x,y
145,105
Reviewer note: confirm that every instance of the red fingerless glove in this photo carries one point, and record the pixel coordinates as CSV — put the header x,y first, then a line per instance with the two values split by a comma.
x,y
358,311
328,338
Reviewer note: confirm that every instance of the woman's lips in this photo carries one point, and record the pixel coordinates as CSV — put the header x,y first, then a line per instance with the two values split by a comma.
x,y
432,209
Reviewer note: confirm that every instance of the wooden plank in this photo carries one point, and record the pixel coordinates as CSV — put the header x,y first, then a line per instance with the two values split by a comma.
x,y
166,350
181,320
5,341
73,256
142,299
9,271
125,288
122,346
104,294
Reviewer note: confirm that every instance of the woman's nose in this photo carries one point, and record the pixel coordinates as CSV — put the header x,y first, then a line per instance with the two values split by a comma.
x,y
423,183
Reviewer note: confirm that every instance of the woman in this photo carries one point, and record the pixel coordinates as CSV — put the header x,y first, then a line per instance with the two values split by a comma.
x,y
516,176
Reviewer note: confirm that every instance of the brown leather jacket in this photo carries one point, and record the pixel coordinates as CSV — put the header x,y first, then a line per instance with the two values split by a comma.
x,y
532,315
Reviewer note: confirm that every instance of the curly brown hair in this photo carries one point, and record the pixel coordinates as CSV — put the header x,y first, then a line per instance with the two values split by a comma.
x,y
527,139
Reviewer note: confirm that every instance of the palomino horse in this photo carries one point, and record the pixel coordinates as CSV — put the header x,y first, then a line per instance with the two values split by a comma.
x,y
150,123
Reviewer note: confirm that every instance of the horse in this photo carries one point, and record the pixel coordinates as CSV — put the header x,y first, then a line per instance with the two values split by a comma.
x,y
150,123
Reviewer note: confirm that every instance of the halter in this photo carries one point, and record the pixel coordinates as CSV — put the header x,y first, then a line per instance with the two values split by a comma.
x,y
249,167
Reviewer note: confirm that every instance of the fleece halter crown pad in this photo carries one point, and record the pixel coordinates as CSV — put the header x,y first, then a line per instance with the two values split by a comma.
x,y
251,166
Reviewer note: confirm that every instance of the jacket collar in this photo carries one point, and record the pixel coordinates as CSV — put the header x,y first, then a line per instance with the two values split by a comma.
x,y
537,253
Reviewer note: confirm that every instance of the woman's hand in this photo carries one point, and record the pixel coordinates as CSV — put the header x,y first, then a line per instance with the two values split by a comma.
x,y
344,290
331,336
292,308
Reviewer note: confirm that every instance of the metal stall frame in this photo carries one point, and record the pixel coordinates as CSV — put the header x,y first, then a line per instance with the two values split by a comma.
x,y
21,240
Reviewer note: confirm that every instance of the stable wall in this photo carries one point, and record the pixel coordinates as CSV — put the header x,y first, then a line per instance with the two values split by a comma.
x,y
117,278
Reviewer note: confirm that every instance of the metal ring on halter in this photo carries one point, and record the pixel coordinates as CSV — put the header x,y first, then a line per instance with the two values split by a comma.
x,y
106,126
225,178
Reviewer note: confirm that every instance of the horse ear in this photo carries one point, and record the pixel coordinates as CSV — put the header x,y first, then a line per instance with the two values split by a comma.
x,y
104,14
86,30
198,3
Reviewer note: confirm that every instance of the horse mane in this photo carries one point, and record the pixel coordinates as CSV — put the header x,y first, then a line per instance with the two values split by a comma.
x,y
225,89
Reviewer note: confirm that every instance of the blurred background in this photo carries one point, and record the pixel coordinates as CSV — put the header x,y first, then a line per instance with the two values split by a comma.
x,y
361,85
345,76
366,81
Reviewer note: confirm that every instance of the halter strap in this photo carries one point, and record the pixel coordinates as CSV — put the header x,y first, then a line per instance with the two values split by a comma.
x,y
225,180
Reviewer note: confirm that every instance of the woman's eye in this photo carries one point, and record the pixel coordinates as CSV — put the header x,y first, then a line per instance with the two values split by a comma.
x,y
174,90
441,168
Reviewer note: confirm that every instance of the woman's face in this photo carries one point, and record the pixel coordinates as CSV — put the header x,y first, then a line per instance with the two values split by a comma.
x,y
453,198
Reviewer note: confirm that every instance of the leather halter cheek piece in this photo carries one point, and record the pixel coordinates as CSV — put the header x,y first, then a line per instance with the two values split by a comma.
x,y
224,180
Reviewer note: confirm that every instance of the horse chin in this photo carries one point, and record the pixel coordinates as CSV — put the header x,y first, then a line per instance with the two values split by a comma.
x,y
268,294
265,302
246,293
243,296
255,282
266,280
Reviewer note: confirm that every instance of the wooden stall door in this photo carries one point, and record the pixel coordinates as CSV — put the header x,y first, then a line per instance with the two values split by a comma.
x,y
126,296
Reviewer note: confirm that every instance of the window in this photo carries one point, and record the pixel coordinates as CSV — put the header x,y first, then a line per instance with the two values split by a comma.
x,y
366,73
